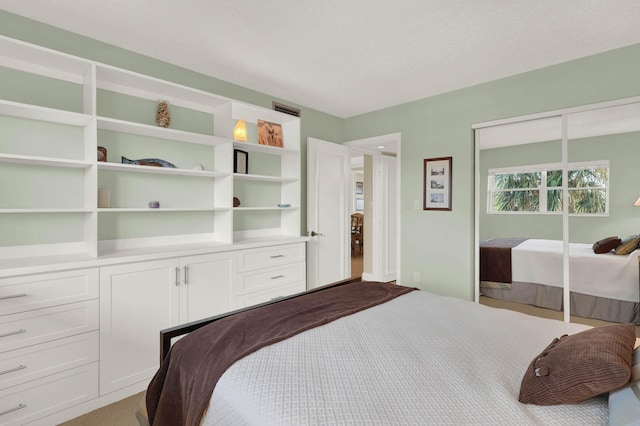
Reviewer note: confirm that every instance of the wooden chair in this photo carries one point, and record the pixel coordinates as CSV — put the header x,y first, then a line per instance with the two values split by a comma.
x,y
357,232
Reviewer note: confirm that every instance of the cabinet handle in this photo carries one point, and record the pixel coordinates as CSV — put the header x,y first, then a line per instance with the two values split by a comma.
x,y
277,255
13,296
177,276
11,333
11,370
186,275
11,410
277,276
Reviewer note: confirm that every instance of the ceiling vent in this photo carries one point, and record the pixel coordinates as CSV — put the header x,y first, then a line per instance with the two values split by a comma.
x,y
286,109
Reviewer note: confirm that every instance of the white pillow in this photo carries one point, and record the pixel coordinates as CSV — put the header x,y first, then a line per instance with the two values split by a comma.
x,y
624,402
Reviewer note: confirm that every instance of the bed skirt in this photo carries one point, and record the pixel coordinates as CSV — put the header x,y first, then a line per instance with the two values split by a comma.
x,y
582,305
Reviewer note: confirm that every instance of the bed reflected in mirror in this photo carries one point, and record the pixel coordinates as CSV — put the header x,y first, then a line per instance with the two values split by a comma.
x,y
523,171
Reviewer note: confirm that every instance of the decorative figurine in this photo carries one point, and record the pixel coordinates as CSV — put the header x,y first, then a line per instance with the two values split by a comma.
x,y
155,162
162,116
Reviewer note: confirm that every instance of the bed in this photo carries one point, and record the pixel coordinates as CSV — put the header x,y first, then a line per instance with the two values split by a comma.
x,y
398,356
603,286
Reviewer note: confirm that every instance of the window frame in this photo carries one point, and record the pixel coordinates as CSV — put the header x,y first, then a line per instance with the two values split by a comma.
x,y
543,169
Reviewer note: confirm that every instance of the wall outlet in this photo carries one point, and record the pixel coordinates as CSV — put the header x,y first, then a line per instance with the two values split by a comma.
x,y
416,277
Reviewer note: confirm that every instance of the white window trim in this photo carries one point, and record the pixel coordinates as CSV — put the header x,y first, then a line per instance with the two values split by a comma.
x,y
543,169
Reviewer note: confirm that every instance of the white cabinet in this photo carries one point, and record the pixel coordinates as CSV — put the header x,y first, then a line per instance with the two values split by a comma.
x,y
39,398
270,273
48,343
124,272
206,289
138,300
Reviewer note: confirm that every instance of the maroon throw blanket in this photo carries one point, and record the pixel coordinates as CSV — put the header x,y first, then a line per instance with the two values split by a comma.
x,y
181,389
495,259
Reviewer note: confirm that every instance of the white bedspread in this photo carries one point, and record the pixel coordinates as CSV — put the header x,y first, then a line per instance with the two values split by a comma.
x,y
420,359
603,275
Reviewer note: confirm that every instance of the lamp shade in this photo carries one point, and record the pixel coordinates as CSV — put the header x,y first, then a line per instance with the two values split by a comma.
x,y
240,131
637,203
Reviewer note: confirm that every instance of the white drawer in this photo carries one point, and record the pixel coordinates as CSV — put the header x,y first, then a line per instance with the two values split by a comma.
x,y
272,277
20,294
44,325
34,362
271,294
43,397
265,257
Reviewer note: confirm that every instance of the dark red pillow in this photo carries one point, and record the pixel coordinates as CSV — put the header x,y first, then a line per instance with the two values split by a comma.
x,y
606,245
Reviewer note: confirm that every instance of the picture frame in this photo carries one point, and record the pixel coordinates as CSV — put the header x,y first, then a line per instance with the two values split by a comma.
x,y
240,161
269,133
437,183
359,188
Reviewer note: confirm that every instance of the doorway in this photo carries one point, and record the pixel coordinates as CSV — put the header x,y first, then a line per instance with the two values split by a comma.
x,y
375,197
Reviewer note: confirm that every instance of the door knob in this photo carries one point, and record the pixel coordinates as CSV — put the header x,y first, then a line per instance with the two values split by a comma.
x,y
314,233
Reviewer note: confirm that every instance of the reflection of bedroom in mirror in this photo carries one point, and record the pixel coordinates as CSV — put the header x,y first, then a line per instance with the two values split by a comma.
x,y
556,226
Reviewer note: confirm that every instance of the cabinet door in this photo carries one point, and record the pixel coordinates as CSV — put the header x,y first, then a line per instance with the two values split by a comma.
x,y
207,285
136,301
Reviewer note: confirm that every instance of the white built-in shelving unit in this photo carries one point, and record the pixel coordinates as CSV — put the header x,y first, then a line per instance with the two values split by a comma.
x,y
51,176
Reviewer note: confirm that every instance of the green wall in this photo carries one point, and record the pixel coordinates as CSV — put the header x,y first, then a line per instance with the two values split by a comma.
x,y
437,244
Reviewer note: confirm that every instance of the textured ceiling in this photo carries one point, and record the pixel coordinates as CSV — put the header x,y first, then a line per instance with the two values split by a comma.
x,y
349,57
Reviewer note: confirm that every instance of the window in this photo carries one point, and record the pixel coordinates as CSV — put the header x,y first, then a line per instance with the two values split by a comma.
x,y
538,189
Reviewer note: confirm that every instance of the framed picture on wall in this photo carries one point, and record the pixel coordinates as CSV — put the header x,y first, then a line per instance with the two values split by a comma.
x,y
437,183
240,161
359,188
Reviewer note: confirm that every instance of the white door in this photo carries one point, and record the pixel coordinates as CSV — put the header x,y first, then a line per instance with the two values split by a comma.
x,y
207,281
327,212
137,300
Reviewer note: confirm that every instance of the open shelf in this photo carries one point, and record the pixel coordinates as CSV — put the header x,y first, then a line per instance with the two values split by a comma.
x,y
116,125
243,176
263,149
46,210
139,85
134,168
39,60
44,161
33,112
161,209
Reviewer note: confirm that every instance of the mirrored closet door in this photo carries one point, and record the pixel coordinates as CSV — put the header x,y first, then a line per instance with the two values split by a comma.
x,y
549,187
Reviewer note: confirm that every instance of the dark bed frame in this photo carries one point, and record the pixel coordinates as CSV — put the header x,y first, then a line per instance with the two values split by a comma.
x,y
169,333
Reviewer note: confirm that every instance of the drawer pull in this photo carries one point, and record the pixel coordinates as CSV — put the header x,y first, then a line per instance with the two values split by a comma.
x,y
276,256
177,276
186,275
11,333
11,410
11,370
13,296
277,276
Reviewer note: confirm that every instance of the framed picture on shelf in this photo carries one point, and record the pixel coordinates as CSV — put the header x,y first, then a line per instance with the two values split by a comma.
x,y
240,161
359,188
437,183
269,133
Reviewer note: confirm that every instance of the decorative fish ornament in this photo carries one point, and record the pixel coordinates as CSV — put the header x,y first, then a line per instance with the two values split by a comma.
x,y
155,162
